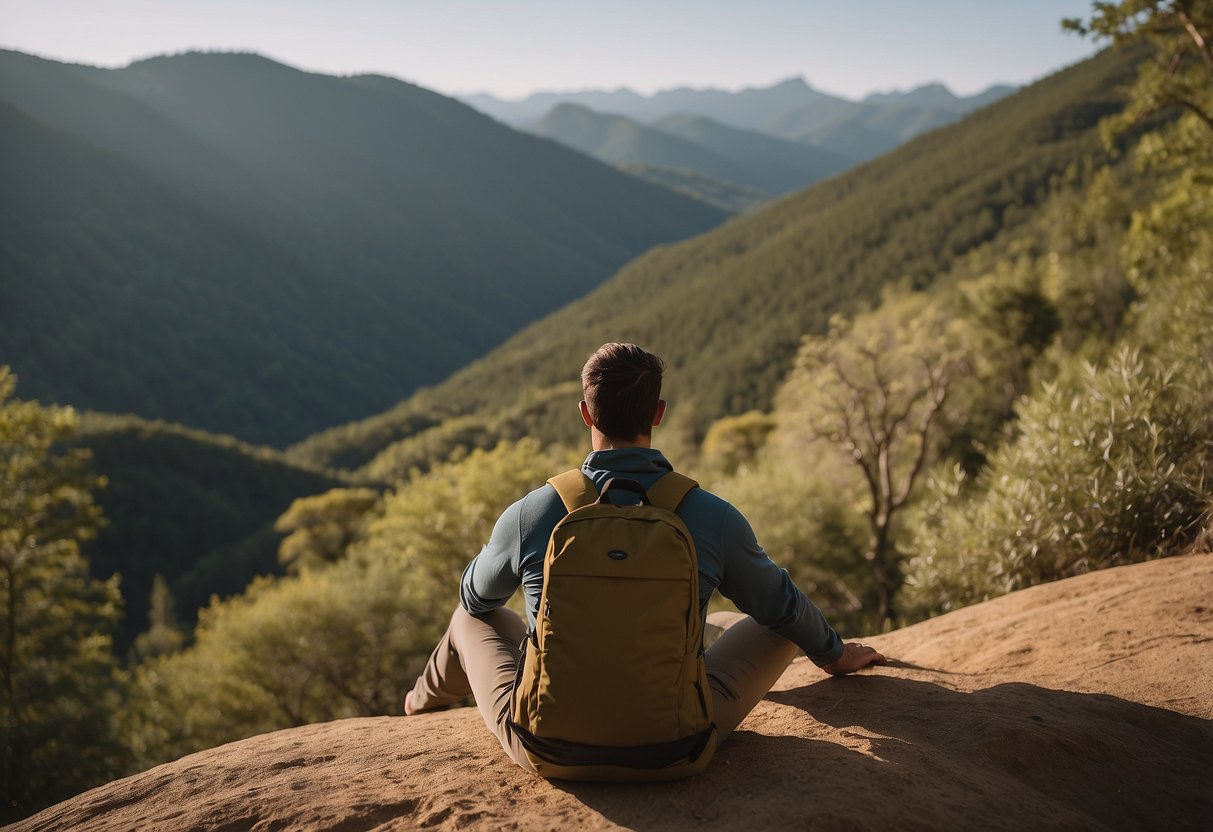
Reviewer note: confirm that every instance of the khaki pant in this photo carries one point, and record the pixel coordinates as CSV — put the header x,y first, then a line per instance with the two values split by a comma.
x,y
478,656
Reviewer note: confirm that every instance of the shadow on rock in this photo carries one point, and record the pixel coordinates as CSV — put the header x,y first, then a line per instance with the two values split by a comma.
x,y
909,754
1115,762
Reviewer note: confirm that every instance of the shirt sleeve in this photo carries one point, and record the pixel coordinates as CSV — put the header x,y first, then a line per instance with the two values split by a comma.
x,y
494,574
764,591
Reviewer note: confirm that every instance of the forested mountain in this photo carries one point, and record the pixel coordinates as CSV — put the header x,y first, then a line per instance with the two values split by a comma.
x,y
728,196
728,310
194,508
691,143
779,166
617,139
224,241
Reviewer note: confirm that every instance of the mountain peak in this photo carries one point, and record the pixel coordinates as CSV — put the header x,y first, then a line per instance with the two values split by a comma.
x,y
796,82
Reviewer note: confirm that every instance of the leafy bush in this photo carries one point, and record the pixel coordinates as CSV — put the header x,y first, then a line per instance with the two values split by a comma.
x,y
345,641
1110,470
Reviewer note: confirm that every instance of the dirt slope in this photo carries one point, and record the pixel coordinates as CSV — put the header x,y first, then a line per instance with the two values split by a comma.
x,y
1083,704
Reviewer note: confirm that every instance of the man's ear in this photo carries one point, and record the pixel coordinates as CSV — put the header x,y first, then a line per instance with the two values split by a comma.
x,y
659,414
585,415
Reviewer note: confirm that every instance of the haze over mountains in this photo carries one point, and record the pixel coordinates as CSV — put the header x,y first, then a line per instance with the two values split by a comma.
x,y
727,310
695,143
830,132
228,242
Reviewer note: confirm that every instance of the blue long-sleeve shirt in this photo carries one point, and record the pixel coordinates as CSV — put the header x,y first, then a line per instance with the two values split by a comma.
x,y
730,558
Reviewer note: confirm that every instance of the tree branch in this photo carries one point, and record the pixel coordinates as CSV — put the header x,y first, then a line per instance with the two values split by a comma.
x,y
1194,108
937,402
1206,51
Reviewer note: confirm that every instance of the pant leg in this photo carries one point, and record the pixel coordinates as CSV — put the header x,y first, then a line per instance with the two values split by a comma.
x,y
478,655
743,663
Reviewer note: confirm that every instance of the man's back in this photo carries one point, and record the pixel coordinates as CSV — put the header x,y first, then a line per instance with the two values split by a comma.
x,y
730,558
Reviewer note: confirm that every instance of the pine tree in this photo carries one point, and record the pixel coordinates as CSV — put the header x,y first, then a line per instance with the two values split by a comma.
x,y
163,636
59,686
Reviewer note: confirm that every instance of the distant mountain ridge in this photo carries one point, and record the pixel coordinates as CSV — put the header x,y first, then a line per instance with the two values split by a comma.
x,y
809,134
691,143
224,241
749,108
746,108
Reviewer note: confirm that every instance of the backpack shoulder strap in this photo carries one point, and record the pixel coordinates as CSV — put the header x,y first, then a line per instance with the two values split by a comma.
x,y
575,489
670,490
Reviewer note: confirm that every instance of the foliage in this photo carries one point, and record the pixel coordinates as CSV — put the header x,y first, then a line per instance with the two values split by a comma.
x,y
434,522
195,508
1113,458
1112,464
163,636
60,688
324,644
876,388
1008,323
1083,276
1180,71
320,529
736,440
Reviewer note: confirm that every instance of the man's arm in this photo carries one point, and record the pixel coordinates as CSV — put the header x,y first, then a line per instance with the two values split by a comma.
x,y
493,575
766,592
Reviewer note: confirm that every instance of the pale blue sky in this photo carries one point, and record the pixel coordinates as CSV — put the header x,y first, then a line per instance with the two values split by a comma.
x,y
513,48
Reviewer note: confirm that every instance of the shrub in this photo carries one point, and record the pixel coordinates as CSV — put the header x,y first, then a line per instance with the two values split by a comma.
x,y
1111,470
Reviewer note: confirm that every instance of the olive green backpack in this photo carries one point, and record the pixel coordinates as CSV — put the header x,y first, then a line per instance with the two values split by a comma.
x,y
612,683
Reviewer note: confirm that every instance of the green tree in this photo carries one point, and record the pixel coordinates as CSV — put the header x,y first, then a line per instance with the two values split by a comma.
x,y
321,528
163,636
876,387
1011,323
1180,73
736,440
1111,463
59,686
324,644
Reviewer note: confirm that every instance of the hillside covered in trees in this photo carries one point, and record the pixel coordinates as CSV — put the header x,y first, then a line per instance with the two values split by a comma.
x,y
195,509
727,310
234,244
692,143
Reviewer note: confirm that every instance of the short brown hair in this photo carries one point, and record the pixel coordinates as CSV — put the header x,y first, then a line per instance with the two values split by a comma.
x,y
622,386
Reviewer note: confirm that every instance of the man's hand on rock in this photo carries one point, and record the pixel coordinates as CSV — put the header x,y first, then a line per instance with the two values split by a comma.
x,y
854,656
